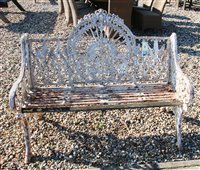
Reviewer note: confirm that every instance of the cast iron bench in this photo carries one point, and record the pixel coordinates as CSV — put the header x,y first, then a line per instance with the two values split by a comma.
x,y
100,65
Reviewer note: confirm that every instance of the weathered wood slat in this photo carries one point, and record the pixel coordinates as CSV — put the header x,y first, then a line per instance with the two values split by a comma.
x,y
99,96
103,100
88,104
148,88
93,98
62,108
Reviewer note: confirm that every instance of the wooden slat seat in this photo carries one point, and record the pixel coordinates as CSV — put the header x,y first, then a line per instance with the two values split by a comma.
x,y
96,97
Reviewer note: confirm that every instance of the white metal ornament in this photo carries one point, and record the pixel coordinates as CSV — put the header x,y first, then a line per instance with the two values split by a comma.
x,y
100,65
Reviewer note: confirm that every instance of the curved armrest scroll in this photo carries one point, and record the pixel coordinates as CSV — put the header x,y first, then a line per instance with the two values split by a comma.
x,y
13,90
184,88
12,93
182,85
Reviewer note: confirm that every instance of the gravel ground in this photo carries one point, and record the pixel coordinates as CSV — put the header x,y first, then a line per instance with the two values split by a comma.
x,y
84,139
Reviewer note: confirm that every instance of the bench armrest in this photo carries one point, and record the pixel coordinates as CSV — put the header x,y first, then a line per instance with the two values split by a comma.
x,y
13,90
184,88
181,83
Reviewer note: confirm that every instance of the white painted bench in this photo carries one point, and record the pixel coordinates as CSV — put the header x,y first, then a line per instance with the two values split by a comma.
x,y
100,65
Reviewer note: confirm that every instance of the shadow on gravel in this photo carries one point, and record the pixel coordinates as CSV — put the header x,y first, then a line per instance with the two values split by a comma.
x,y
107,151
176,17
188,38
189,120
35,23
53,2
192,121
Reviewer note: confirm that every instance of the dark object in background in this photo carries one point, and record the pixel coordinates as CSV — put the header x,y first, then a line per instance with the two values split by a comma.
x,y
3,4
142,18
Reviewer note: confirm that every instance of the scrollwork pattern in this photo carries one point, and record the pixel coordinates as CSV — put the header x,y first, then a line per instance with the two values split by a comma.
x,y
180,82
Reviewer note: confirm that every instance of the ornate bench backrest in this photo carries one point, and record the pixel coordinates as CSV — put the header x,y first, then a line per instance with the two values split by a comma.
x,y
99,50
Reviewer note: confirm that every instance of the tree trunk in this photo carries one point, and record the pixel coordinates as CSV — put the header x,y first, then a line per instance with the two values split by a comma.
x,y
67,10
73,11
61,7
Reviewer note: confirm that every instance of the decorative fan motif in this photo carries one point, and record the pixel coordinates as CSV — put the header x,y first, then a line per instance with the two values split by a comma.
x,y
101,47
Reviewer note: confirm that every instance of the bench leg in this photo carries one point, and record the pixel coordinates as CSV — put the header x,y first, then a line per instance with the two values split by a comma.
x,y
18,5
67,10
25,127
73,11
178,113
